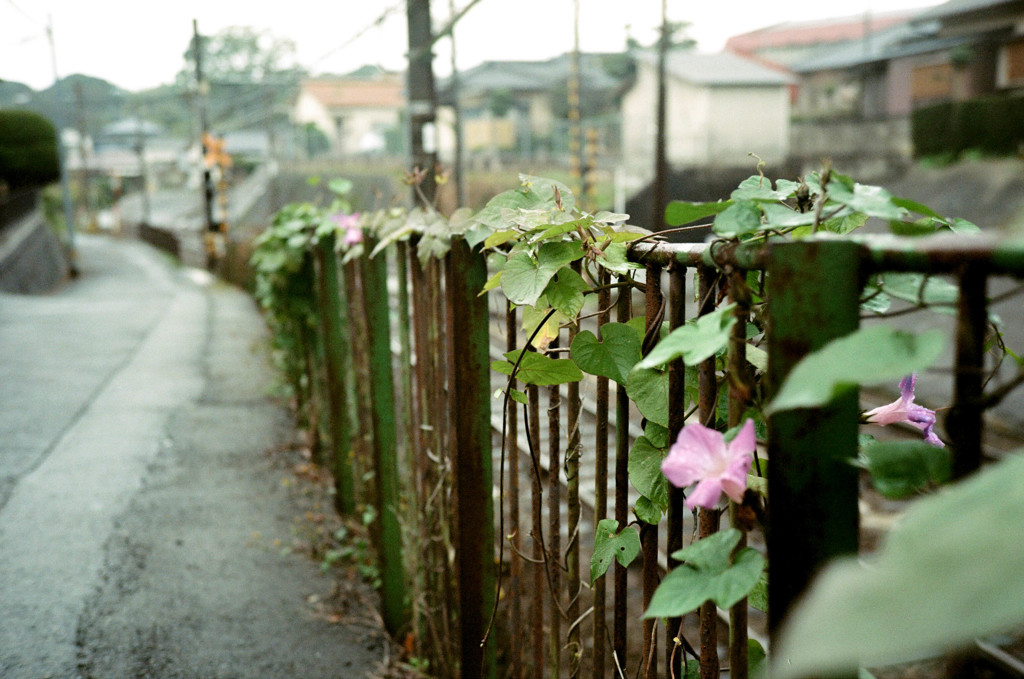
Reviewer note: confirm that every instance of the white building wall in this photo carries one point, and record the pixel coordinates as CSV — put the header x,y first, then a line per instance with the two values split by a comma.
x,y
747,120
308,109
639,119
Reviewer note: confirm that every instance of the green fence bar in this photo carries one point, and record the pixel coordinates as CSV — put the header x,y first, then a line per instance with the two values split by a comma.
x,y
814,290
375,290
336,366
471,420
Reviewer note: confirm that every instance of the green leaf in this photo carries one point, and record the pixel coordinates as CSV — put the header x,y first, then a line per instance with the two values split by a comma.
x,y
645,472
615,260
758,597
695,340
492,282
914,206
738,219
524,278
873,201
757,357
613,356
519,397
500,238
340,186
902,468
609,545
681,212
539,369
869,356
565,292
874,300
912,287
757,660
656,434
844,224
646,511
963,226
757,187
949,572
648,389
707,574
780,216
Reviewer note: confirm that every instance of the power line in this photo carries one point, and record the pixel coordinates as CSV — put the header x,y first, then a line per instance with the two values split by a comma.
x,y
41,24
379,21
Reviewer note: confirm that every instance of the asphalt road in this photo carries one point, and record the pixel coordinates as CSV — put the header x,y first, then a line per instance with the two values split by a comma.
x,y
134,474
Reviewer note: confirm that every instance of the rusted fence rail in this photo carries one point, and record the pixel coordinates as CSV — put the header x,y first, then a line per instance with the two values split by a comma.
x,y
484,535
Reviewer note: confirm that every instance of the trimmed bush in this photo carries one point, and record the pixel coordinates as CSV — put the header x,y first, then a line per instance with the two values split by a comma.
x,y
989,124
28,149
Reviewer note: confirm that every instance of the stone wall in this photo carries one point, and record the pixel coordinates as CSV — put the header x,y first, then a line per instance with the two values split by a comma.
x,y
32,260
871,150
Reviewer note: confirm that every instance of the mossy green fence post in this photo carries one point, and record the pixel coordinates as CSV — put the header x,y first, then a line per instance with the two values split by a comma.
x,y
814,290
471,419
385,439
336,366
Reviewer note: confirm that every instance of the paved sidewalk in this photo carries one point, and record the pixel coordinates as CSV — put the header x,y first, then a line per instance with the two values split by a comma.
x,y
134,474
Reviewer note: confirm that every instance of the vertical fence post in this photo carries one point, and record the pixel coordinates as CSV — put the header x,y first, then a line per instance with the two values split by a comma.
x,y
676,415
707,519
654,310
470,342
620,622
335,357
964,423
739,395
601,481
382,391
813,291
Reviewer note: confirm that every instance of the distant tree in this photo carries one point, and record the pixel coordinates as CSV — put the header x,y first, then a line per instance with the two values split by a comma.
x,y
240,54
28,150
252,76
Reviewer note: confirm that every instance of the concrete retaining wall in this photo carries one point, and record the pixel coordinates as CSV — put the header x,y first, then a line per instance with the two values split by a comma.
x,y
32,260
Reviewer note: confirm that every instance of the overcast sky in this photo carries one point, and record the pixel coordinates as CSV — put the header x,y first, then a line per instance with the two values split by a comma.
x,y
137,44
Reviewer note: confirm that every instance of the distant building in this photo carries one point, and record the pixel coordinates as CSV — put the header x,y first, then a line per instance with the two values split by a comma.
x,y
356,113
793,41
720,108
520,108
855,98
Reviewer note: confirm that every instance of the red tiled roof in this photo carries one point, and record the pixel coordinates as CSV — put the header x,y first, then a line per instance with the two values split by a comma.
x,y
387,91
793,34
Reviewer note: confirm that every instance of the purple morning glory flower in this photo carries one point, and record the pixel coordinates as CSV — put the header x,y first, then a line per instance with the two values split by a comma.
x,y
904,409
700,455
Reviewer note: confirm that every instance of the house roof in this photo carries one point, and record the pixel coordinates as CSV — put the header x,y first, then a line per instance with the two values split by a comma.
x,y
348,92
719,69
533,76
959,7
804,33
901,40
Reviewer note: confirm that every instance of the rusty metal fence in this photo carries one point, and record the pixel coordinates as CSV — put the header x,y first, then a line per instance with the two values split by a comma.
x,y
486,508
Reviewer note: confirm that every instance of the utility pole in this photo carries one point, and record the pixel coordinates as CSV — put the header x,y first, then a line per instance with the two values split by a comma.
x,y
83,151
204,132
422,98
660,161
65,184
576,161
460,183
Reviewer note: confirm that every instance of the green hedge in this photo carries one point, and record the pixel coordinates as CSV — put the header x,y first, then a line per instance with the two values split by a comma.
x,y
989,124
28,149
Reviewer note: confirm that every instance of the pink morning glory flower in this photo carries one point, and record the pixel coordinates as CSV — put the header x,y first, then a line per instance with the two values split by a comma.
x,y
353,234
700,455
904,409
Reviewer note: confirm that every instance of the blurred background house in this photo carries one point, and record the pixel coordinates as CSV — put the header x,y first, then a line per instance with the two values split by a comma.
x,y
357,115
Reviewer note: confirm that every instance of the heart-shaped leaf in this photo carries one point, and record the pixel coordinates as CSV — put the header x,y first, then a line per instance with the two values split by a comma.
x,y
707,574
613,356
610,544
